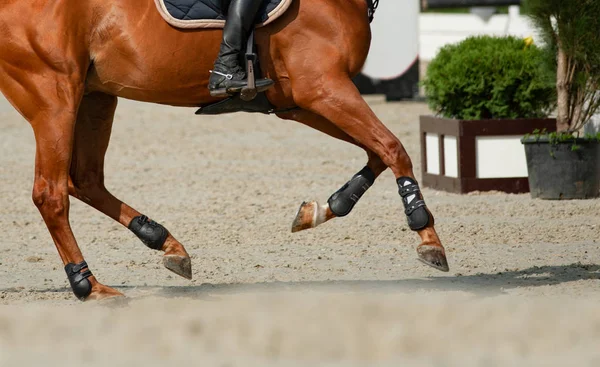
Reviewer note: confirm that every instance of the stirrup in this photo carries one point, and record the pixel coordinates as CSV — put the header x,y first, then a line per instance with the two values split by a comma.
x,y
249,91
259,86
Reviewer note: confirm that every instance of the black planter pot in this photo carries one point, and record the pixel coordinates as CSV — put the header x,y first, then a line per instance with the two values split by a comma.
x,y
560,171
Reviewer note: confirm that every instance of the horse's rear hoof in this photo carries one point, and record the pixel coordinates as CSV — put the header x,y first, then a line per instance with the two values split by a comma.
x,y
311,215
433,256
180,265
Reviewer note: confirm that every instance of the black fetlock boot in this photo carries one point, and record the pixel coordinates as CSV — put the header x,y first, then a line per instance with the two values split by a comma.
x,y
228,77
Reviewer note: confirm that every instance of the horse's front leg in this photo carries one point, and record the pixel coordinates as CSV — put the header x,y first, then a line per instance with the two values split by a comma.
x,y
49,100
340,203
92,135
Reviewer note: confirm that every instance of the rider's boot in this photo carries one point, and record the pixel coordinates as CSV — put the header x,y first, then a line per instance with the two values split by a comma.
x,y
228,77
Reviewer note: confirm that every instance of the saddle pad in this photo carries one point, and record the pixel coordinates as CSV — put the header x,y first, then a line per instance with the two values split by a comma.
x,y
211,13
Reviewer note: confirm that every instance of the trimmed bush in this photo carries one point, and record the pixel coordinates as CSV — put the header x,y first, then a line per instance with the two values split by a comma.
x,y
490,78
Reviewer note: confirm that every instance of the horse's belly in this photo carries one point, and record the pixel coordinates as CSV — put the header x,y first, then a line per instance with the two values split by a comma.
x,y
157,88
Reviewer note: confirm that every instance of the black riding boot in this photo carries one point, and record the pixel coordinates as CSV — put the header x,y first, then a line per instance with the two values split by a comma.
x,y
228,77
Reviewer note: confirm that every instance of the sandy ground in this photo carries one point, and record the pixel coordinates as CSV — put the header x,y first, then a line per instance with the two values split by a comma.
x,y
524,285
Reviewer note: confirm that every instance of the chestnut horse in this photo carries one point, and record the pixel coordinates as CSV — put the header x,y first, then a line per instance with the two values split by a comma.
x,y
64,63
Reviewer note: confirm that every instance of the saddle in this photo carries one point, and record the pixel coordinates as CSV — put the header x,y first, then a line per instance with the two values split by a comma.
x,y
191,14
194,14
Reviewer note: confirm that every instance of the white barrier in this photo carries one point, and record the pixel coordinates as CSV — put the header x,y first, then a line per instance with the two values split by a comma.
x,y
394,44
392,67
437,29
402,37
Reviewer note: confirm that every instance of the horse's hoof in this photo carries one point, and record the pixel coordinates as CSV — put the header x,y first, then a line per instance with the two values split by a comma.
x,y
305,217
100,292
180,265
311,215
433,256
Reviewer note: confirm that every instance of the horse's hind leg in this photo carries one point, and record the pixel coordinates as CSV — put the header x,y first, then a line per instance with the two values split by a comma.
x,y
92,135
311,214
336,98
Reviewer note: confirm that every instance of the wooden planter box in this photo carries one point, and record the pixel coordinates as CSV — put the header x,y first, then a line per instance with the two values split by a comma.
x,y
461,156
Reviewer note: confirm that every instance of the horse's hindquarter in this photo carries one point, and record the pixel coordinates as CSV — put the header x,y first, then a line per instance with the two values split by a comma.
x,y
333,33
314,41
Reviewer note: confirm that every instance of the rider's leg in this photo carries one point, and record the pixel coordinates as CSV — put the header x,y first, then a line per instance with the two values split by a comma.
x,y
228,76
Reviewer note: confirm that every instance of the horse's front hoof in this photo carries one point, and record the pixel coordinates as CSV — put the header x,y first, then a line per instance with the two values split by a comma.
x,y
433,256
180,265
102,292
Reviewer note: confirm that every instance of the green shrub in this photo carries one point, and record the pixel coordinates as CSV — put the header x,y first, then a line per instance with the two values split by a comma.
x,y
490,77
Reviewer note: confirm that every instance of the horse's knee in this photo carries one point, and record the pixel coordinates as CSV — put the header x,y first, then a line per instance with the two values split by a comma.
x,y
51,200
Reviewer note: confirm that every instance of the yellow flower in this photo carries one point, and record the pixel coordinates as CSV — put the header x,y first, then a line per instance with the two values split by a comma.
x,y
528,41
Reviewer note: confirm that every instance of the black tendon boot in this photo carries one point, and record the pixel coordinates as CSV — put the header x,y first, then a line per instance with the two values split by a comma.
x,y
228,77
